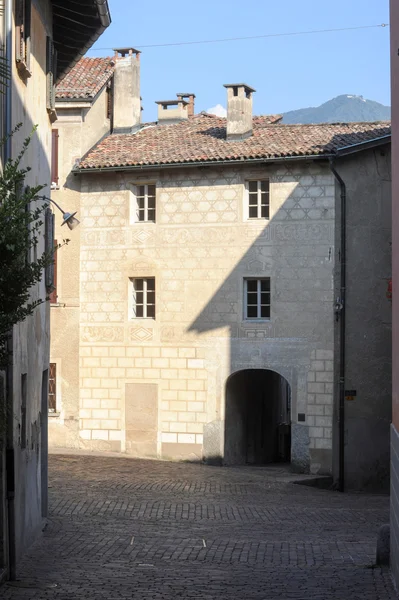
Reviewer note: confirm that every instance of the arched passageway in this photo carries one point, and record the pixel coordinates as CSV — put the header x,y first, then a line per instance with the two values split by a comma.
x,y
257,425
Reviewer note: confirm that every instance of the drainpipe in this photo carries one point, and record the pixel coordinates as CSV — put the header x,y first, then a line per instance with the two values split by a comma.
x,y
340,312
10,464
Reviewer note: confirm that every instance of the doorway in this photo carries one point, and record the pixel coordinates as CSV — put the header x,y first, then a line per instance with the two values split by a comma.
x,y
258,417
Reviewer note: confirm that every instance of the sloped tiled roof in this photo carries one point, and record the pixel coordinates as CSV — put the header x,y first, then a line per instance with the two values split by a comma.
x,y
203,138
85,79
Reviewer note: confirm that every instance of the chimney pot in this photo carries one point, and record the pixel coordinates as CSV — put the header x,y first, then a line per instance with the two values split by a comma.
x,y
239,111
172,111
191,101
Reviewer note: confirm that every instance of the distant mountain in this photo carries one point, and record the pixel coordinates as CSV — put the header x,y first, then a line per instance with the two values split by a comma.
x,y
341,109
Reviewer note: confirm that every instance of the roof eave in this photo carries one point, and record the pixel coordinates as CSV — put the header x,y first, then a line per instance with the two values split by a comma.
x,y
87,19
208,163
361,146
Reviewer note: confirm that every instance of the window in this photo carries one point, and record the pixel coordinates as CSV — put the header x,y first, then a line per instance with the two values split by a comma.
x,y
52,389
143,298
257,298
23,409
23,36
145,203
258,199
54,159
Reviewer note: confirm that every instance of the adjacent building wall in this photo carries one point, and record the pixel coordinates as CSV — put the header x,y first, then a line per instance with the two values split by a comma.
x,y
31,338
199,251
367,177
394,20
80,125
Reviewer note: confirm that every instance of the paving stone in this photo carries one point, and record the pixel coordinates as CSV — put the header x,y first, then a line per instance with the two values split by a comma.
x,y
122,528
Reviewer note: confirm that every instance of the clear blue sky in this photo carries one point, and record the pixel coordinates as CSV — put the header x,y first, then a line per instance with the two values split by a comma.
x,y
287,72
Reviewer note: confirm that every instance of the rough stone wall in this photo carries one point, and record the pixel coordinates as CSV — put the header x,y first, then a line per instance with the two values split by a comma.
x,y
368,353
199,251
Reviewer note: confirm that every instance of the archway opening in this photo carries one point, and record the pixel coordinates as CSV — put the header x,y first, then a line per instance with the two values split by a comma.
x,y
258,418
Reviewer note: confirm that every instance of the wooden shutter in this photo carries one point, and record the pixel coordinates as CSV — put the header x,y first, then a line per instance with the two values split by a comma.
x,y
54,157
23,33
27,31
50,71
52,388
19,30
53,295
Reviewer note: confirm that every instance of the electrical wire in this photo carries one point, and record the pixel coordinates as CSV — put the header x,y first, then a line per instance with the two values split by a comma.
x,y
256,37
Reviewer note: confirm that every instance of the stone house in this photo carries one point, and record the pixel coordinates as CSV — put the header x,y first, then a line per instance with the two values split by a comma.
x,y
33,33
198,311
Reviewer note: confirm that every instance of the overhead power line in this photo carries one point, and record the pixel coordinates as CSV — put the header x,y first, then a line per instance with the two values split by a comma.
x,y
257,37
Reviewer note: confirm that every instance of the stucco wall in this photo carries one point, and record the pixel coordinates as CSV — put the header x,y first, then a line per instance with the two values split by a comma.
x,y
367,176
31,338
200,250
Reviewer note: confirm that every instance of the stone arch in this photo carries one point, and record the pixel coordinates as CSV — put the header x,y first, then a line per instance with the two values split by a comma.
x,y
257,417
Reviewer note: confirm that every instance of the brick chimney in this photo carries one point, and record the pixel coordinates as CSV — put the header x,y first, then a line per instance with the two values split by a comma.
x,y
239,111
191,102
172,111
127,101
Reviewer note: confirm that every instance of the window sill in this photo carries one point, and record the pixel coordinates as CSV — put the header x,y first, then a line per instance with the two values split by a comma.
x,y
143,223
58,304
54,415
252,321
256,219
146,319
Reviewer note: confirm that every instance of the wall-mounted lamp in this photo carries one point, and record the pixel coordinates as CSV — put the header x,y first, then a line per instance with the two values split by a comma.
x,y
68,218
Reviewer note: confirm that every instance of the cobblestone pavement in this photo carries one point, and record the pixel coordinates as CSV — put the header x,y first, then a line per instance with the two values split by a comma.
x,y
149,530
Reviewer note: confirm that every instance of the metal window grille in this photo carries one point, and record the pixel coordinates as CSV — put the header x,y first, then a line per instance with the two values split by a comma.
x,y
52,388
144,298
258,199
146,202
257,298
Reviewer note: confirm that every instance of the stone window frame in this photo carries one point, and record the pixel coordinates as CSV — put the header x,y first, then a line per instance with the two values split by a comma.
x,y
259,304
135,210
258,205
145,304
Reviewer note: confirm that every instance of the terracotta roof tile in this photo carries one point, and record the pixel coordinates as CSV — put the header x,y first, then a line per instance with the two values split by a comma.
x,y
85,79
203,138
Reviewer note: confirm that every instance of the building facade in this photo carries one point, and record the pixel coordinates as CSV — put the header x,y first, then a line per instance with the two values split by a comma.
x,y
203,294
33,33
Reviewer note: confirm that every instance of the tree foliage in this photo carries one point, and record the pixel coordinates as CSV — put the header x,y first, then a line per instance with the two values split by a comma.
x,y
22,211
